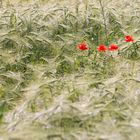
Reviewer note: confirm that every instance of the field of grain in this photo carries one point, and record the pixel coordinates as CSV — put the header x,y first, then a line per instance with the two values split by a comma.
x,y
52,90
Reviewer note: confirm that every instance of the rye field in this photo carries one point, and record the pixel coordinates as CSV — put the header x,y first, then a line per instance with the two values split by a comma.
x,y
70,70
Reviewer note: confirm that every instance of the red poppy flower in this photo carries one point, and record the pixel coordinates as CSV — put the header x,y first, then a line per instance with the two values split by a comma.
x,y
113,47
102,48
83,46
129,38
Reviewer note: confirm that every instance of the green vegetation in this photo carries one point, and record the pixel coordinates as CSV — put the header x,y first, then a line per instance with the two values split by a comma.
x,y
51,90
